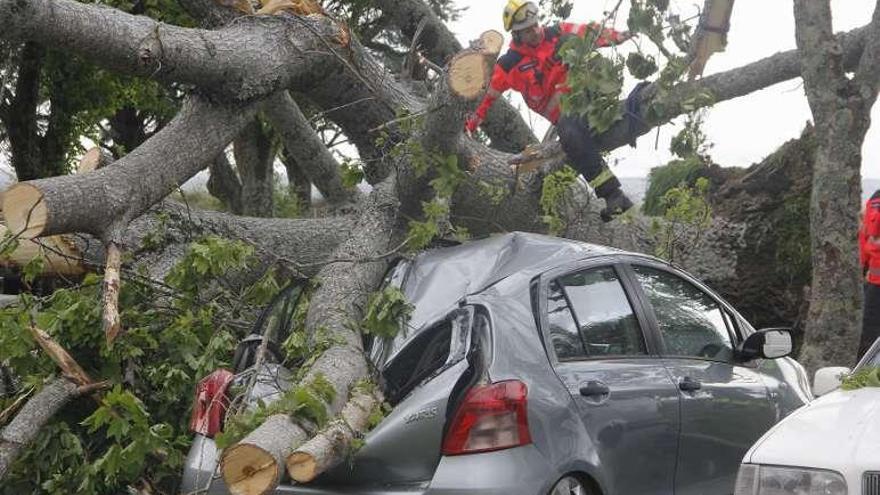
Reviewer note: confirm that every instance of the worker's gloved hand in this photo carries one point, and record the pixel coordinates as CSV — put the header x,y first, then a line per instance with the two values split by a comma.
x,y
473,121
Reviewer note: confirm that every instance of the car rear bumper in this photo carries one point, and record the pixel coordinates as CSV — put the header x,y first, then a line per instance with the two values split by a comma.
x,y
522,470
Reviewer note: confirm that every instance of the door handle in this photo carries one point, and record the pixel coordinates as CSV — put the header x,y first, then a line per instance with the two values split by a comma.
x,y
688,384
594,389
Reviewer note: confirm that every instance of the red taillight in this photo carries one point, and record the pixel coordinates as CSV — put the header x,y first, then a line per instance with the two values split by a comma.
x,y
491,417
211,402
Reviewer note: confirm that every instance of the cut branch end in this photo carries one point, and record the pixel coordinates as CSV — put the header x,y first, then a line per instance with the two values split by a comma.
x,y
249,470
25,211
468,74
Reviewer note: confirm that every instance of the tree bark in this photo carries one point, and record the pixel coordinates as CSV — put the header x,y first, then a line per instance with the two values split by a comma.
x,y
21,125
332,444
109,198
251,58
297,182
27,423
301,244
302,143
223,183
254,159
841,111
504,125
339,300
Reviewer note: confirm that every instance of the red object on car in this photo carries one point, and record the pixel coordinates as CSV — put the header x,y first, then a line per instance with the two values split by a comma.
x,y
491,417
211,402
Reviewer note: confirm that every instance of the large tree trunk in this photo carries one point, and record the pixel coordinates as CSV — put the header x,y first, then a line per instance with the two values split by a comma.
x,y
340,300
841,110
254,465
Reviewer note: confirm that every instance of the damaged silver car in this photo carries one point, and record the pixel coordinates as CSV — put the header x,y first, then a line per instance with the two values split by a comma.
x,y
535,365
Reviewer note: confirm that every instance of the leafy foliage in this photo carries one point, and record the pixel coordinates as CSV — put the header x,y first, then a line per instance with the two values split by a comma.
x,y
663,179
387,312
554,192
446,176
208,259
868,377
692,149
78,98
303,403
596,83
687,216
137,436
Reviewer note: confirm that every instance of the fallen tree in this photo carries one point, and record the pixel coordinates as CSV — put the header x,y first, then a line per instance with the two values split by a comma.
x,y
404,140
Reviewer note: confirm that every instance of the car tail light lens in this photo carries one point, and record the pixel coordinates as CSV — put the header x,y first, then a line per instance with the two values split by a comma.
x,y
211,402
491,417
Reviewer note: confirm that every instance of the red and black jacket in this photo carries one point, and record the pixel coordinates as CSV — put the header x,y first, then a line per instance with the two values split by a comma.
x,y
537,72
869,239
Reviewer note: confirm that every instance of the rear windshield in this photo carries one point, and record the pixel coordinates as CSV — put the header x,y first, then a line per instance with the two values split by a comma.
x,y
427,353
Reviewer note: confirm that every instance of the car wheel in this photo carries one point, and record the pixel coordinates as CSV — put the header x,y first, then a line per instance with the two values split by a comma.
x,y
569,485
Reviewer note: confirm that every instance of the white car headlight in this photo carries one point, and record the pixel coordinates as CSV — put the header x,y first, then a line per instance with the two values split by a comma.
x,y
754,479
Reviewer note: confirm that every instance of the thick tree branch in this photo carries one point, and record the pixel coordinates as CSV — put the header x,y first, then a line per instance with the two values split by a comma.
x,y
254,159
27,423
504,124
297,182
303,145
252,57
112,196
21,119
332,444
224,184
722,86
304,244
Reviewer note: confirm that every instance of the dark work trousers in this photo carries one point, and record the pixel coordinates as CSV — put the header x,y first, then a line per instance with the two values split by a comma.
x,y
579,145
870,318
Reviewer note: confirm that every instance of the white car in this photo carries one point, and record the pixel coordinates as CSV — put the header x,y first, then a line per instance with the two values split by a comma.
x,y
830,446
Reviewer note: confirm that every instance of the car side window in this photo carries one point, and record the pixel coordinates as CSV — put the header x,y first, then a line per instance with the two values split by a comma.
x,y
563,330
592,317
691,323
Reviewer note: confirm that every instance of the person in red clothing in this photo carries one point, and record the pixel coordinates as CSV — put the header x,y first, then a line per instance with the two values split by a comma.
x,y
533,68
869,251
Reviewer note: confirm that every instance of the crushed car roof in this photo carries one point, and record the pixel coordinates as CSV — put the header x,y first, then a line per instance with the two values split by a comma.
x,y
437,279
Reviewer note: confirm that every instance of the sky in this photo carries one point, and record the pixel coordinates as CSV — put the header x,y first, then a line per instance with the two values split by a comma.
x,y
744,130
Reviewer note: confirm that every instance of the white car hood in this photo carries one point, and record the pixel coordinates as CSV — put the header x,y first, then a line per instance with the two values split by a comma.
x,y
839,431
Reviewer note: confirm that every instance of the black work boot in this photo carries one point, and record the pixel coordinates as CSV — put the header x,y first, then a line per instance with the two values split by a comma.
x,y
615,204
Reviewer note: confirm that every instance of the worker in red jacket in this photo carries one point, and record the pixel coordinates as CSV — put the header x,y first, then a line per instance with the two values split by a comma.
x,y
533,68
869,250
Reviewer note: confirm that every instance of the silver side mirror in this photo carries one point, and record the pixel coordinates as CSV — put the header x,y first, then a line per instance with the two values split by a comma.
x,y
827,379
769,343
